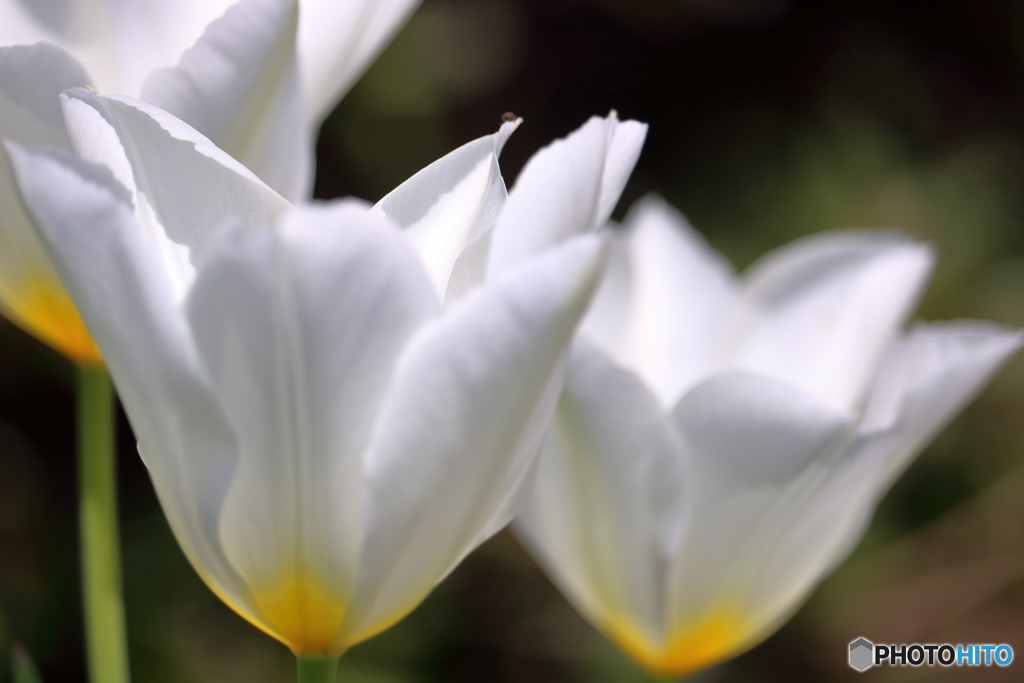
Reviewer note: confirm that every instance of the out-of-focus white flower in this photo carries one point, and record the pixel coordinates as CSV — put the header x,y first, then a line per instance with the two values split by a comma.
x,y
256,77
721,442
327,438
31,293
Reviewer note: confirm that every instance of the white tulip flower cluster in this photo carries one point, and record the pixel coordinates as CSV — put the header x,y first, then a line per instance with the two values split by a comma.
x,y
337,402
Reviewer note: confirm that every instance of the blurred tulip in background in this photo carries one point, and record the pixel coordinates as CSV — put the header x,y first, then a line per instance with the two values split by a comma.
x,y
722,442
257,77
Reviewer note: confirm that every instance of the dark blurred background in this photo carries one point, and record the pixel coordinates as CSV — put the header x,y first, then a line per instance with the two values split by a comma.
x,y
770,119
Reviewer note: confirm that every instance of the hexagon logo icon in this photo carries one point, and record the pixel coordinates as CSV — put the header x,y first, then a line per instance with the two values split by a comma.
x,y
862,654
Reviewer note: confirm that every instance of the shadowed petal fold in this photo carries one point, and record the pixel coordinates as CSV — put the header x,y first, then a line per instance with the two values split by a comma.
x,y
299,328
450,451
184,188
240,87
613,566
566,188
114,276
120,42
925,379
822,311
451,203
31,293
663,315
752,442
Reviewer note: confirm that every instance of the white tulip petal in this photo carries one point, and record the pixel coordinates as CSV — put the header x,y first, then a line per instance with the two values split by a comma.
x,y
121,42
460,431
81,28
610,503
338,40
31,293
926,379
451,203
185,189
151,35
822,311
625,142
299,328
239,86
944,364
680,294
556,196
567,188
114,276
31,81
469,269
605,324
753,443
25,22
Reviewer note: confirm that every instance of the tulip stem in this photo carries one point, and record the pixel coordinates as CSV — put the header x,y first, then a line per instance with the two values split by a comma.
x,y
318,669
106,639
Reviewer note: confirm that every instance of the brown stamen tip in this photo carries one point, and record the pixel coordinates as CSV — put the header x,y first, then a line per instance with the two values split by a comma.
x,y
508,117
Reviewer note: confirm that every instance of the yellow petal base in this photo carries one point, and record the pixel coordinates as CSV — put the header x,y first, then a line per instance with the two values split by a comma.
x,y
719,635
303,613
44,310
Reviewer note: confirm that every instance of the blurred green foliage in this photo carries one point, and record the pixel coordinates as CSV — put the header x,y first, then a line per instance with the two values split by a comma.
x,y
23,669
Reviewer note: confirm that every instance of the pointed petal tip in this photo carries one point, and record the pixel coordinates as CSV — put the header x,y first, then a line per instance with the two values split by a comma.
x,y
925,253
841,239
1001,340
915,256
639,128
652,217
898,255
505,132
653,203
510,122
1014,337
652,211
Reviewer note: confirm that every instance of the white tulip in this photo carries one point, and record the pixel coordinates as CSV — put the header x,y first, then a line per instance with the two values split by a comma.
x,y
721,442
256,77
31,293
327,439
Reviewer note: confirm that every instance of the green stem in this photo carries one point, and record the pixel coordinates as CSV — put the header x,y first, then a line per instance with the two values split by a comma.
x,y
318,669
106,640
